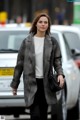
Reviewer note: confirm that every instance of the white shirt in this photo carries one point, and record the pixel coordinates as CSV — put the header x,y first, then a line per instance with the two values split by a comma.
x,y
39,45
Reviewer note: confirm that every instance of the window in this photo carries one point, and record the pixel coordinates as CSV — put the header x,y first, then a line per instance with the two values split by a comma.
x,y
12,39
68,51
72,39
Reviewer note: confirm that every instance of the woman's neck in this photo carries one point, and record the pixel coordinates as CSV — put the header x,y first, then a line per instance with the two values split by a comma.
x,y
40,34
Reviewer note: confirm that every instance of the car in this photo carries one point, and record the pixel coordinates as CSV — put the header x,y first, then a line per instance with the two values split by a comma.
x,y
68,98
72,35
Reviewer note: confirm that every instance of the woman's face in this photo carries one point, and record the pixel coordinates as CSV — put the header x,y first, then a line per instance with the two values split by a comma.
x,y
42,24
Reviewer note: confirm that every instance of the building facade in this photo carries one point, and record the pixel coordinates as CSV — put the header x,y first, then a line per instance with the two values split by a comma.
x,y
27,9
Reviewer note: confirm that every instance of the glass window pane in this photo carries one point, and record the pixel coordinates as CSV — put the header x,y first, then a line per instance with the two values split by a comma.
x,y
72,39
12,39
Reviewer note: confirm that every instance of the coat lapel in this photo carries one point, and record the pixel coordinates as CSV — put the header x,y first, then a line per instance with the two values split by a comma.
x,y
32,50
47,51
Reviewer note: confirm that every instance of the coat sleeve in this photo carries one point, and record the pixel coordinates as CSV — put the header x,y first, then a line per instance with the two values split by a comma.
x,y
57,59
19,67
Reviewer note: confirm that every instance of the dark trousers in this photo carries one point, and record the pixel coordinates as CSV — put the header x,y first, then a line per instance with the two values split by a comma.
x,y
54,112
38,109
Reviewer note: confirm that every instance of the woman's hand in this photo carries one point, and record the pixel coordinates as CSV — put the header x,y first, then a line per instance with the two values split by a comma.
x,y
61,80
14,91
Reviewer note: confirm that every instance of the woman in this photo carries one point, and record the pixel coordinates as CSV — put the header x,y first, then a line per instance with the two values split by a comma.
x,y
33,60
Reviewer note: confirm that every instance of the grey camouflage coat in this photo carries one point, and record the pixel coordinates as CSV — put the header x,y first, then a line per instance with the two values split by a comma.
x,y
26,64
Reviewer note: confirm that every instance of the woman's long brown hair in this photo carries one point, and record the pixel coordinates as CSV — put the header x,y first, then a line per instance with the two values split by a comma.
x,y
34,28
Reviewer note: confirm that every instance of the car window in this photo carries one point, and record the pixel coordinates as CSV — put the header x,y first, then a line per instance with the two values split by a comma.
x,y
12,39
72,39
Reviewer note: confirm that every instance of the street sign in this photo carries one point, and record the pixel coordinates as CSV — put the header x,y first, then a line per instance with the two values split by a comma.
x,y
3,17
76,13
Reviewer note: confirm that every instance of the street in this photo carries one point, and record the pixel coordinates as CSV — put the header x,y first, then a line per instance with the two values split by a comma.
x,y
22,117
11,117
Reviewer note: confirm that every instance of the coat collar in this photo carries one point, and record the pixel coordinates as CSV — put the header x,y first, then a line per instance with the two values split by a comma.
x,y
47,39
47,44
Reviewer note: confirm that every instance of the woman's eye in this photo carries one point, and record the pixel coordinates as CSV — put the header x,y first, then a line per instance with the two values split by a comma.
x,y
45,22
40,21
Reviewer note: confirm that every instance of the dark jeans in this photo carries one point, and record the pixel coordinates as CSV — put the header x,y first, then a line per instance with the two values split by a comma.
x,y
54,112
39,107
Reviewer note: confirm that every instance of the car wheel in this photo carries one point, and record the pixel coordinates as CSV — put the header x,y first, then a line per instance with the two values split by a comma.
x,y
73,114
